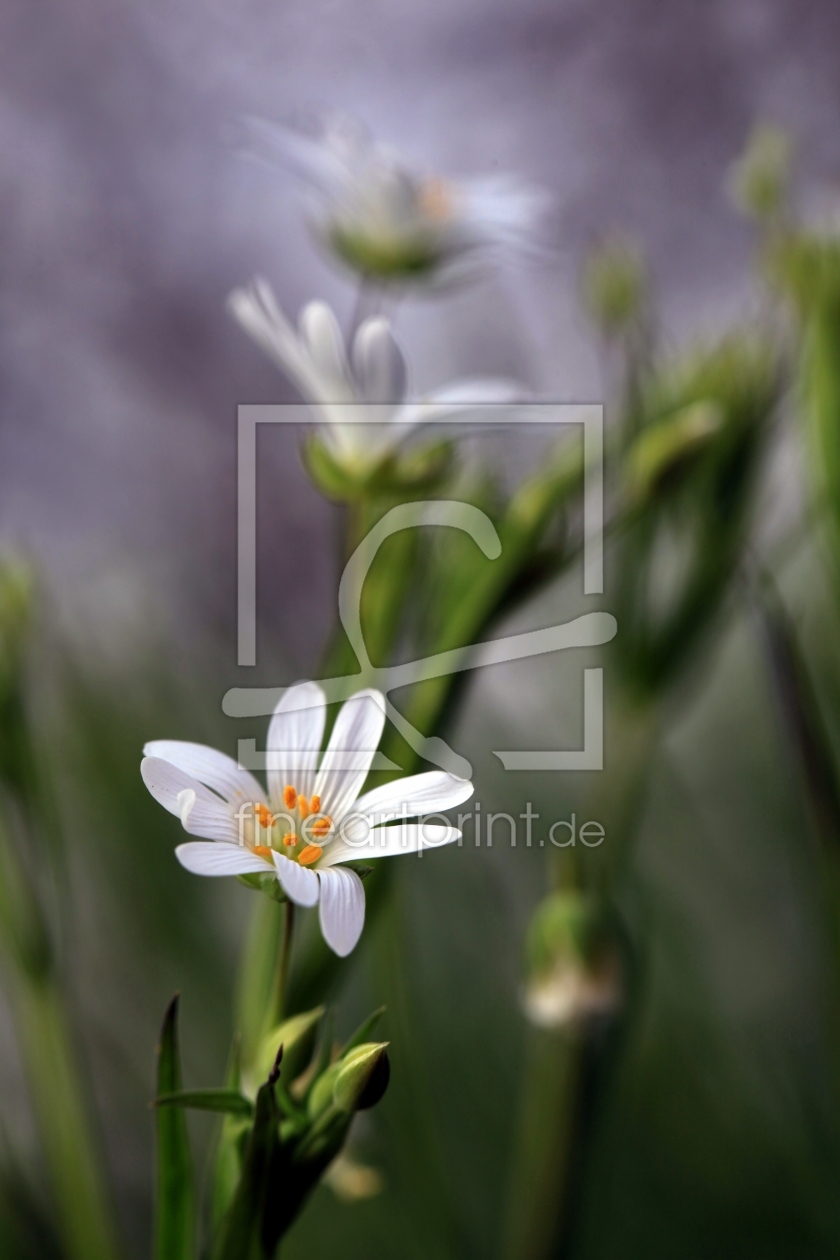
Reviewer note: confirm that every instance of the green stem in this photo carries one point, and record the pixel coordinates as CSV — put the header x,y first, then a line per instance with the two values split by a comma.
x,y
555,1124
282,985
60,1110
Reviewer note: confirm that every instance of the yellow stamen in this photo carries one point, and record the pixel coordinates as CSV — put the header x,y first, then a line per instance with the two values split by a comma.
x,y
321,826
289,796
303,806
264,816
310,854
315,804
263,851
436,199
290,838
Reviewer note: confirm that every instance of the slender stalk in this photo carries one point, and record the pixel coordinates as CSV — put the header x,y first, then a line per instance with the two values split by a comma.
x,y
282,983
566,1068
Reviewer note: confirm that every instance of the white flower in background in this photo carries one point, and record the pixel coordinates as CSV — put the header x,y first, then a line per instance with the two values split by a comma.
x,y
392,224
342,387
312,819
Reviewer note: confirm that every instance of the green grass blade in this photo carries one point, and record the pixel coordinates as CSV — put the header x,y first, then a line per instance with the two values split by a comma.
x,y
174,1211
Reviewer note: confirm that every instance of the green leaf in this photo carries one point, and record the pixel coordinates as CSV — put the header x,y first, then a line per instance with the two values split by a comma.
x,y
173,1238
245,1235
229,1101
363,1032
297,1037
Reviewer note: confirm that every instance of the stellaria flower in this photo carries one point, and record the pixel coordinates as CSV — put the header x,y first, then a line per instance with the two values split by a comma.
x,y
390,223
344,388
312,820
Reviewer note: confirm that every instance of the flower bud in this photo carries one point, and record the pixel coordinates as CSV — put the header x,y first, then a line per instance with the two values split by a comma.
x,y
614,286
572,973
760,180
363,1077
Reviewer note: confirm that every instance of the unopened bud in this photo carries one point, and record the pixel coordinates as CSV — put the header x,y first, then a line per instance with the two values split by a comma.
x,y
572,973
363,1077
614,286
760,179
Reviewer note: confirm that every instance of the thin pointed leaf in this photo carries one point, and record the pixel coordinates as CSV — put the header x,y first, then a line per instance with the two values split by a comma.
x,y
229,1101
174,1181
244,1235
363,1032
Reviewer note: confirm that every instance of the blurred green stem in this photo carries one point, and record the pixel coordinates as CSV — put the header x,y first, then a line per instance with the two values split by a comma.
x,y
51,1068
283,962
556,1121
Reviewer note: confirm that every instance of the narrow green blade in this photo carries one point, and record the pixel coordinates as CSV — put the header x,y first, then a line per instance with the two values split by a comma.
x,y
173,1238
229,1101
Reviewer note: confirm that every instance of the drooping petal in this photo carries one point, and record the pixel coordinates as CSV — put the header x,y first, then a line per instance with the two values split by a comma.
x,y
378,363
321,335
214,769
299,884
221,859
256,309
294,740
342,909
353,743
414,796
391,842
202,813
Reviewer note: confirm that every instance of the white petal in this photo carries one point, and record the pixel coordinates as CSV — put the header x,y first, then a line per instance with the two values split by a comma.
x,y
299,883
294,740
214,769
320,333
206,815
379,363
342,909
416,795
353,743
462,399
221,859
257,311
392,842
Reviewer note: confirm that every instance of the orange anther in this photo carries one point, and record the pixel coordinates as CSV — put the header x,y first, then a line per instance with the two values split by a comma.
x,y
290,838
264,815
321,826
303,807
315,804
310,854
289,797
263,851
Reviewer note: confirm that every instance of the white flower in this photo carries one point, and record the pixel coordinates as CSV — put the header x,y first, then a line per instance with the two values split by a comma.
x,y
343,388
388,222
312,820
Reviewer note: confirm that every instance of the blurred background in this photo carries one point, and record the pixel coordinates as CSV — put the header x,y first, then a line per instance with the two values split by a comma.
x,y
127,214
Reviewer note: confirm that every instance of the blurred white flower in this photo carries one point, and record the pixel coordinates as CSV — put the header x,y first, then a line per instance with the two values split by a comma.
x,y
388,222
312,820
342,387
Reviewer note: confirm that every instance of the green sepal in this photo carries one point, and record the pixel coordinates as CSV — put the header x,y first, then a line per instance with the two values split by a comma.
x,y
228,1101
363,1032
174,1206
297,1037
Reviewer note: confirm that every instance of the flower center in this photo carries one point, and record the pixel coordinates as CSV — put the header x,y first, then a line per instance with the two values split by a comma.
x,y
296,831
